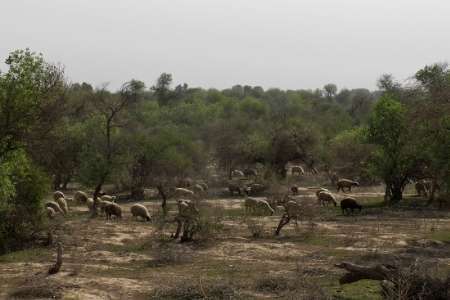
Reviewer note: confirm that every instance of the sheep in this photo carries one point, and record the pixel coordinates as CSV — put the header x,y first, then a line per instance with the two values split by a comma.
x,y
258,205
294,190
187,209
139,210
90,203
237,173
421,188
349,204
63,204
250,172
182,192
326,198
198,189
185,182
50,212
108,198
113,209
254,188
203,184
321,190
103,203
80,197
234,187
346,183
57,195
297,169
55,207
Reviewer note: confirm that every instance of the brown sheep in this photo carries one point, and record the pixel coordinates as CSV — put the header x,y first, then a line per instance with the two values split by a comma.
x,y
346,183
234,187
113,209
349,205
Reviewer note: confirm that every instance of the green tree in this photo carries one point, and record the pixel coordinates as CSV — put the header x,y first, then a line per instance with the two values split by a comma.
x,y
394,157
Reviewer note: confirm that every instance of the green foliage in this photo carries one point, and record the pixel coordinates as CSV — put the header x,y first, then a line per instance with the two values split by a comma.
x,y
20,202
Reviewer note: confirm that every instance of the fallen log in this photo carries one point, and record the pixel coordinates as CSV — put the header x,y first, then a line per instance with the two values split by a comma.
x,y
358,272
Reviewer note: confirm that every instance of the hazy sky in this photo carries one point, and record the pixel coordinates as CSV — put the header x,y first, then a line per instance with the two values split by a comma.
x,y
219,43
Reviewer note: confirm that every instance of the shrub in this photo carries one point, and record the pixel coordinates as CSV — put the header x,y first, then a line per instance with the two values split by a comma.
x,y
21,215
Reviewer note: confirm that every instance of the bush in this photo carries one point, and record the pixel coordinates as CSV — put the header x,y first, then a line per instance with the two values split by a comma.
x,y
21,214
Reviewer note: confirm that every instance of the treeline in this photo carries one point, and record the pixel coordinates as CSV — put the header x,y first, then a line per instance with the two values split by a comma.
x,y
53,132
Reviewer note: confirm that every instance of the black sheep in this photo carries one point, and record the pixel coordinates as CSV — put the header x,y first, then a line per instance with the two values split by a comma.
x,y
349,204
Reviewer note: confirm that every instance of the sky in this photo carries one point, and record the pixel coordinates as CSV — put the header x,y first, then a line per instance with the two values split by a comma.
x,y
288,44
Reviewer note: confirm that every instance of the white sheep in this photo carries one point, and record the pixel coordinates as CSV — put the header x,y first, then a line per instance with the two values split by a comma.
x,y
113,209
63,204
183,193
237,173
80,197
90,203
108,198
57,195
139,210
297,169
258,205
50,212
55,207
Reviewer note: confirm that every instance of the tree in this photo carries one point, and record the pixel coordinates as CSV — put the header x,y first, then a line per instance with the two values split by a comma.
x,y
394,158
30,92
330,90
103,149
162,89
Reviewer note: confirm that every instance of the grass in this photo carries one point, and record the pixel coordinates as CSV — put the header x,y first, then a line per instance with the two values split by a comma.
x,y
441,235
28,255
363,289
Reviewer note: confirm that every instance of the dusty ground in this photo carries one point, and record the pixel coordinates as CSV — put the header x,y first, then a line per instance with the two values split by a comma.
x,y
131,259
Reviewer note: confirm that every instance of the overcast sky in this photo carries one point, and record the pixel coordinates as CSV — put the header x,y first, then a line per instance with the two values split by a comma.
x,y
218,43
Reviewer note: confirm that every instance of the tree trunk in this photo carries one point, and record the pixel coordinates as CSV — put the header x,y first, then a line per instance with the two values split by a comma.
x,y
55,268
66,182
396,192
284,220
98,188
164,198
57,182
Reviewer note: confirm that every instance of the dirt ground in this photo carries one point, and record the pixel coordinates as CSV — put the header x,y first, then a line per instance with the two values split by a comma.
x,y
132,259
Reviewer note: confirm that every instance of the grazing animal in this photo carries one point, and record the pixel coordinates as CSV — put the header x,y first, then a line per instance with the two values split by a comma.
x,y
113,209
63,204
237,173
297,170
325,198
250,172
55,206
103,204
254,188
139,210
349,205
346,183
258,206
50,212
57,195
183,193
108,198
80,197
90,203
421,188
198,189
294,190
233,188
203,185
321,190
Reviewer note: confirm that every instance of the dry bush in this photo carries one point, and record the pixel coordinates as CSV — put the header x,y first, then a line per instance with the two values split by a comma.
x,y
40,288
416,282
165,252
